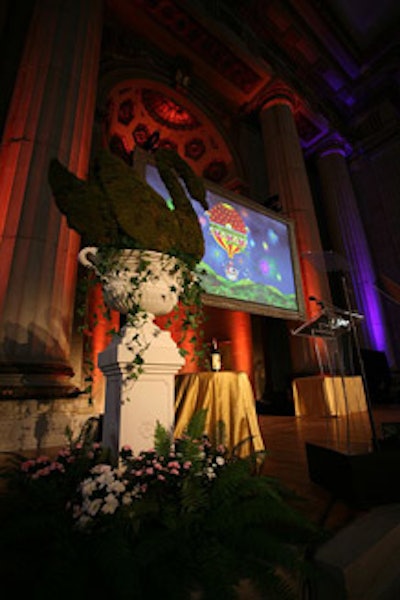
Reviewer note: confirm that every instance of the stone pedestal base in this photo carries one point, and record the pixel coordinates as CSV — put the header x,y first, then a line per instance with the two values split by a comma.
x,y
133,407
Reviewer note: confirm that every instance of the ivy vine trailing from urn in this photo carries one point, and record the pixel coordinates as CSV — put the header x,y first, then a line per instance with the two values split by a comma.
x,y
125,225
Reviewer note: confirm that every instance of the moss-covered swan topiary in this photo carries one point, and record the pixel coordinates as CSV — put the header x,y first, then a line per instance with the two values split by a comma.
x,y
116,207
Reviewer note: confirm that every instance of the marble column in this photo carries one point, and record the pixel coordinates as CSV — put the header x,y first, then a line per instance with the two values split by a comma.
x,y
348,237
50,115
288,178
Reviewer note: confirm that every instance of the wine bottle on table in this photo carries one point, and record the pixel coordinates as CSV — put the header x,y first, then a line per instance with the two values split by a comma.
x,y
215,356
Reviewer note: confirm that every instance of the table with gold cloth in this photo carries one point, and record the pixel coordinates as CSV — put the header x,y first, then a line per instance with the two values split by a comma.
x,y
324,395
228,397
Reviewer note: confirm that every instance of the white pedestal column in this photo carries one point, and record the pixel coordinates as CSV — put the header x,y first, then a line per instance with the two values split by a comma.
x,y
133,406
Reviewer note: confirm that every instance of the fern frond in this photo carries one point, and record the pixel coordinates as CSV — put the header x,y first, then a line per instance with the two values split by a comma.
x,y
195,496
196,426
162,440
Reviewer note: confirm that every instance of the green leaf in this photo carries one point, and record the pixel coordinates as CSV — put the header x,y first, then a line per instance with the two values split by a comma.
x,y
162,440
196,426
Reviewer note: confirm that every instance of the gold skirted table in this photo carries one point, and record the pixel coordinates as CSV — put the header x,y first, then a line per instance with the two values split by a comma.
x,y
324,395
228,397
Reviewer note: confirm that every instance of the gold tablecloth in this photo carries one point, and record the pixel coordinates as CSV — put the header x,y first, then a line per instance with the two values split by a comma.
x,y
228,397
322,395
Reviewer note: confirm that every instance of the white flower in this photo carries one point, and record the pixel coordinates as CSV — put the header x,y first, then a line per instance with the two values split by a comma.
x,y
116,486
220,461
94,506
88,486
110,505
126,498
101,468
210,473
137,491
105,479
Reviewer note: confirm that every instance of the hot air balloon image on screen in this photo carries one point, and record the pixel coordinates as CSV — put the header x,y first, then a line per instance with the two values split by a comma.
x,y
250,256
230,232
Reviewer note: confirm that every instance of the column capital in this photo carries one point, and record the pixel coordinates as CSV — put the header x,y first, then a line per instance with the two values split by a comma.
x,y
279,94
333,143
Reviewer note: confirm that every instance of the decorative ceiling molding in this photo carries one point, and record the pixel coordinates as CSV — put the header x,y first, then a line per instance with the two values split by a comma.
x,y
180,25
141,112
189,31
167,111
237,50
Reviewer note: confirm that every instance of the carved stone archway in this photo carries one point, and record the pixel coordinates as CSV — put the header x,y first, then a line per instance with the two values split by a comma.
x,y
137,109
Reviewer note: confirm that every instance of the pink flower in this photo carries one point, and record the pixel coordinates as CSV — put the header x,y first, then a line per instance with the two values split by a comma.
x,y
41,473
173,464
187,464
26,465
64,452
160,477
56,466
42,459
174,472
125,448
149,471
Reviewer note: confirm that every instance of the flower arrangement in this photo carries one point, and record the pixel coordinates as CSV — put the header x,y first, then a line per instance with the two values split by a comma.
x,y
183,518
155,472
121,217
47,480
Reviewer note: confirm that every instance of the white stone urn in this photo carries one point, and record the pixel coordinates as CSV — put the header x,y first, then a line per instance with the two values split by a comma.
x,y
141,284
145,278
